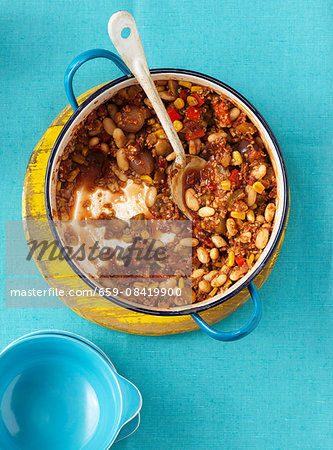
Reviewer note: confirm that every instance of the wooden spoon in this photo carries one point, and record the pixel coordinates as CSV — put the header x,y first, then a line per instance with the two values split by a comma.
x,y
130,49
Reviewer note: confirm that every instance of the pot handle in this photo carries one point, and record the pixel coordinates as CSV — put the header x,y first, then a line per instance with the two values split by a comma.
x,y
241,332
81,59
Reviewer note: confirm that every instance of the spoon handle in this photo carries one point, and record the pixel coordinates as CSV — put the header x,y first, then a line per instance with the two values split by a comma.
x,y
131,51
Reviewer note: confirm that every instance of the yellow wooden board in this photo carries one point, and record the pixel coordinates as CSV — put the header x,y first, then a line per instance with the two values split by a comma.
x,y
98,309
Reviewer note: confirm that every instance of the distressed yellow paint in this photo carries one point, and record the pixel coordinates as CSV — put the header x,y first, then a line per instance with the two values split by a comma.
x,y
98,309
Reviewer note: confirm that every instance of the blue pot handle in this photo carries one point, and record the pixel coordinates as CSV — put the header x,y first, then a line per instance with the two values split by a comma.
x,y
81,59
237,334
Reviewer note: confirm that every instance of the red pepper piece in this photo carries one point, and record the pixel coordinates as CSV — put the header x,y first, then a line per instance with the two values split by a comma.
x,y
193,113
198,98
173,114
222,113
240,261
212,186
183,94
235,178
195,134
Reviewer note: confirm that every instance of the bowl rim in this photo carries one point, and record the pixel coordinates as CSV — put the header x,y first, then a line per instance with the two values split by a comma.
x,y
196,308
86,342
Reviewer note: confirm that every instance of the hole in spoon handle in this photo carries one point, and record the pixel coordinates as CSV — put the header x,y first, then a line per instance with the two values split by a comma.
x,y
125,36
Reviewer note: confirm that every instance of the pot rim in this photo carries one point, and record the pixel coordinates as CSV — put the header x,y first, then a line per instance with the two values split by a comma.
x,y
196,308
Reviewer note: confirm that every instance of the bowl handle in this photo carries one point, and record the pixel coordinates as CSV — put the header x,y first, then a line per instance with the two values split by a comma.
x,y
241,332
132,400
81,59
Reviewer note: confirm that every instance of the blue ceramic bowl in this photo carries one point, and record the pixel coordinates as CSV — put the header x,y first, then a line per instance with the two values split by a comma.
x,y
59,391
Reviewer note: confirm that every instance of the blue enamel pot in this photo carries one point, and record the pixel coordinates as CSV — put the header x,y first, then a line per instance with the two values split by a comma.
x,y
58,390
269,254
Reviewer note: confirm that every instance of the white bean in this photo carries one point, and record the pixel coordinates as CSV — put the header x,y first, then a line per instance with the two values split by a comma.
x,y
260,218
245,237
251,196
171,156
218,241
104,147
203,255
119,137
206,211
270,212
147,103
214,136
167,96
151,196
197,273
190,200
195,242
214,254
121,175
205,286
210,275
112,109
109,125
194,146
169,283
262,238
219,280
231,227
259,172
234,113
186,242
236,274
93,141
122,160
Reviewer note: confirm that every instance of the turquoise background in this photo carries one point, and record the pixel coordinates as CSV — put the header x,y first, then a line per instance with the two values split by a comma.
x,y
272,390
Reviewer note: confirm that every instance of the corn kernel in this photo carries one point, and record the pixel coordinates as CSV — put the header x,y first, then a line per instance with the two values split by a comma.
x,y
160,133
231,259
251,258
181,283
191,101
196,88
147,179
78,158
151,121
237,158
177,124
258,187
179,103
85,151
238,215
156,126
251,216
186,84
73,174
225,185
212,292
145,234
127,238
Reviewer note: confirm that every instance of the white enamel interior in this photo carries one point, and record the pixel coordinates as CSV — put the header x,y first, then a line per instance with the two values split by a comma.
x,y
269,144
